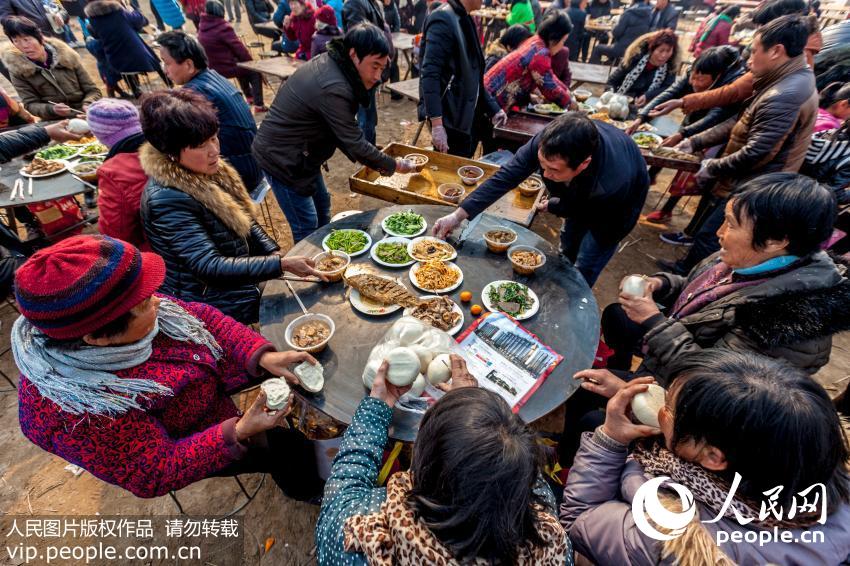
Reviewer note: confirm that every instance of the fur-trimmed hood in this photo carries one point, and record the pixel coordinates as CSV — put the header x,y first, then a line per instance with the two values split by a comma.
x,y
640,47
102,8
61,54
791,318
223,194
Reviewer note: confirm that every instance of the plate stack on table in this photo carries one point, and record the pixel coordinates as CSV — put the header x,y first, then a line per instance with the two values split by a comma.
x,y
566,317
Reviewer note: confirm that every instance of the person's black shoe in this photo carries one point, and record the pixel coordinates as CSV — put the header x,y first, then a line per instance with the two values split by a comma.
x,y
670,266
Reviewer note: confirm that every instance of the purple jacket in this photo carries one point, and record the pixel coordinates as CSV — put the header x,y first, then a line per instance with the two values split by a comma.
x,y
321,39
224,49
598,517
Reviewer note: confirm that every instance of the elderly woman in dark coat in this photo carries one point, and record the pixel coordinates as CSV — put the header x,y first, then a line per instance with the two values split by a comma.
x,y
197,213
224,50
648,67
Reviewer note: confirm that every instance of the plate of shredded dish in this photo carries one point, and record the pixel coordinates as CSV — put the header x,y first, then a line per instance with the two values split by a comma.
x,y
351,241
436,276
426,248
392,252
510,297
406,224
439,311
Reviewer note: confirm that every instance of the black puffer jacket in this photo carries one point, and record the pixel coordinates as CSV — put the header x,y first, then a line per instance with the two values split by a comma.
x,y
204,228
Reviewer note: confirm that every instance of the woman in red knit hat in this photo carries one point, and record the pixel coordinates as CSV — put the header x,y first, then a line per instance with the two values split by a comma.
x,y
133,386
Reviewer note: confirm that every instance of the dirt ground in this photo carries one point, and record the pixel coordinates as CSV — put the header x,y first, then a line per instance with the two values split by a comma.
x,y
33,482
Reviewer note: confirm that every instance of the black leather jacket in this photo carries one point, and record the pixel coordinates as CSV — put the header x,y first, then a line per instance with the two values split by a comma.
x,y
206,261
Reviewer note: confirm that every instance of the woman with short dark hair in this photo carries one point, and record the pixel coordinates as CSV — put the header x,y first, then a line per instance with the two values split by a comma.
x,y
757,445
648,67
510,40
48,75
474,492
197,213
514,78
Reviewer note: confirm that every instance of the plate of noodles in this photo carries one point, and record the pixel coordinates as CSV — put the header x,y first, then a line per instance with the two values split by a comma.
x,y
436,276
426,248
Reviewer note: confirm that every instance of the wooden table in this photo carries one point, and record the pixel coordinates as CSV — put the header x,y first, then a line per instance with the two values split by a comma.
x,y
43,189
408,89
281,67
522,126
404,42
588,73
421,188
568,320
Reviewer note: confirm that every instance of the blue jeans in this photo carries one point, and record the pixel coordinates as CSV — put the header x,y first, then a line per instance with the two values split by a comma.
x,y
304,213
580,247
367,118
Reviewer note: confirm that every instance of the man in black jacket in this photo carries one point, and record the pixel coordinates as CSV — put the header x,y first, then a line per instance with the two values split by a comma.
x,y
597,180
633,23
313,115
356,12
452,95
664,16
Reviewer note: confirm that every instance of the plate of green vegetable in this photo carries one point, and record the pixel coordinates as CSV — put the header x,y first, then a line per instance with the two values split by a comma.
x,y
510,297
94,149
351,241
392,252
406,224
58,152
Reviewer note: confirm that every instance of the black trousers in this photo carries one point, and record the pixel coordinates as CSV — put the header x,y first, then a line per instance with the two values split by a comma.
x,y
464,145
288,456
251,84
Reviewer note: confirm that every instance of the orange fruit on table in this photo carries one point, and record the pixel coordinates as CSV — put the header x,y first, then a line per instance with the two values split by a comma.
x,y
476,310
466,296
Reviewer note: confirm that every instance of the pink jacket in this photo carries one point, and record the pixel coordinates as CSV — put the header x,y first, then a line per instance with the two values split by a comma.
x,y
302,28
826,121
598,517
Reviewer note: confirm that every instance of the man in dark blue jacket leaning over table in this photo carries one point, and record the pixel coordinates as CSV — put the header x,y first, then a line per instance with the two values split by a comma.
x,y
597,181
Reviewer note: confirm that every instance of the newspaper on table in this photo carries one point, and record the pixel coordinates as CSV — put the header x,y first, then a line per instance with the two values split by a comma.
x,y
506,358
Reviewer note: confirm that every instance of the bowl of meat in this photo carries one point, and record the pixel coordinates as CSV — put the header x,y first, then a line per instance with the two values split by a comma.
x,y
498,241
332,264
470,174
310,332
526,259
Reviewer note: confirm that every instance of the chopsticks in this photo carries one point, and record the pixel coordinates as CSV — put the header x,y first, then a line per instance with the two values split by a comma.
x,y
297,298
78,112
300,279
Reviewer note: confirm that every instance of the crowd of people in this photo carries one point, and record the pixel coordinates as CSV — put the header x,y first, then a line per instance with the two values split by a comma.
x,y
132,340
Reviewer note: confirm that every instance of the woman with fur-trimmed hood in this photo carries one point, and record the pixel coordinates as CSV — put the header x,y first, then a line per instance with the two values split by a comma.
x,y
197,214
648,67
46,71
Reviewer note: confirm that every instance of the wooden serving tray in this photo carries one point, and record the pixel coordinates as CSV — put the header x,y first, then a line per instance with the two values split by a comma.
x,y
421,188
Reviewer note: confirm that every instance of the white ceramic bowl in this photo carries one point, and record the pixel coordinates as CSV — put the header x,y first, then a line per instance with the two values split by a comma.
x,y
298,322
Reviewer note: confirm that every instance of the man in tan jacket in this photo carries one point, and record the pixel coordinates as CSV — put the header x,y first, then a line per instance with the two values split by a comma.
x,y
771,134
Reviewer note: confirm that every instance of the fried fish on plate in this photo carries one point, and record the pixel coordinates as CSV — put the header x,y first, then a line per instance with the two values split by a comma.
x,y
380,289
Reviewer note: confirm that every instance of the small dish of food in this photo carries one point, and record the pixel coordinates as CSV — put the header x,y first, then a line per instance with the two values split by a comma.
x,y
59,151
419,160
582,94
94,149
647,140
526,259
499,240
309,332
86,170
436,276
85,140
470,174
332,264
510,297
451,192
531,186
548,108
392,252
406,224
39,167
351,241
439,311
427,248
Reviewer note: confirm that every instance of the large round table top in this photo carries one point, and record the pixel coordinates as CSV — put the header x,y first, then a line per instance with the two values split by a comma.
x,y
568,319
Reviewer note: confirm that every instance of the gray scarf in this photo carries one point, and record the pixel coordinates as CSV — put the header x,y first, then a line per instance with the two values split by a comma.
x,y
657,78
79,377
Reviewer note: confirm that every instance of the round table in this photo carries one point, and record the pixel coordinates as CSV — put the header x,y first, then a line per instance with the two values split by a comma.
x,y
568,319
43,189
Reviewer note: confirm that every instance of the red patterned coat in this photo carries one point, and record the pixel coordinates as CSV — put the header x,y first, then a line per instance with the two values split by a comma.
x,y
524,70
178,439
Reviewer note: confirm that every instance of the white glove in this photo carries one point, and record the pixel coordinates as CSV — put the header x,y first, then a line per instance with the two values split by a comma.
x,y
404,166
685,146
448,223
440,138
500,119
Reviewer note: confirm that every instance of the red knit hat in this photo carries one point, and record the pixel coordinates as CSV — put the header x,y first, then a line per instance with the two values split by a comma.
x,y
326,15
83,283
